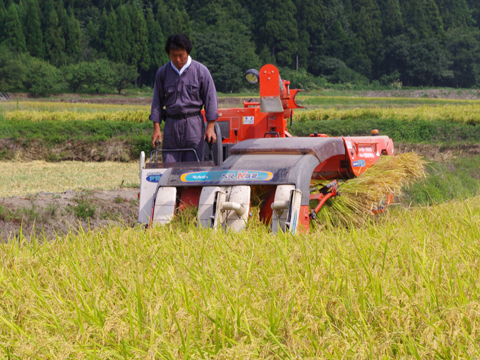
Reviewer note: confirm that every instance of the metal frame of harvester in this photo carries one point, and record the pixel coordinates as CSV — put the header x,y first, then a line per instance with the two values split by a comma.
x,y
254,148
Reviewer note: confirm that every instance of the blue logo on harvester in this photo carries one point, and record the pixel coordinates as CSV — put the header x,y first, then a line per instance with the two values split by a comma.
x,y
154,177
227,176
359,163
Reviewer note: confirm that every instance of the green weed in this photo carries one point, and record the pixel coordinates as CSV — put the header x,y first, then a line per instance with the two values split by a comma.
x,y
418,131
458,179
84,209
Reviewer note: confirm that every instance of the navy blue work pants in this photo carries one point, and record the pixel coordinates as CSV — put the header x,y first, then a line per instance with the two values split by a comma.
x,y
183,134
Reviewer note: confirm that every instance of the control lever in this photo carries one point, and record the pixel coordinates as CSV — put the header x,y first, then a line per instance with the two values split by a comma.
x,y
157,148
210,147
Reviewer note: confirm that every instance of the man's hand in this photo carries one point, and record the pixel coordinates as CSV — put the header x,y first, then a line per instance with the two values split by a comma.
x,y
210,136
157,133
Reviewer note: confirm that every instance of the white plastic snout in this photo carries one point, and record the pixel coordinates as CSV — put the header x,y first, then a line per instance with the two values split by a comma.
x,y
286,209
164,208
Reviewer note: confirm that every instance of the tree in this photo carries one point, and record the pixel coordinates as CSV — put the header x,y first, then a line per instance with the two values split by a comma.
x,y
455,13
433,21
392,23
123,76
225,44
42,78
368,25
54,40
463,46
428,64
13,29
3,15
63,20
125,34
311,31
11,71
49,6
73,46
34,38
280,32
140,53
100,74
156,42
76,75
112,37
474,6
414,18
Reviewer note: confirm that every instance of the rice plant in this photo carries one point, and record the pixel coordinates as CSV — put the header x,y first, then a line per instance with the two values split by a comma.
x,y
406,287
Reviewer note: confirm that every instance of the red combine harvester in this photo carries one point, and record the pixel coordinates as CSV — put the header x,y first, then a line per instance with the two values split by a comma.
x,y
255,149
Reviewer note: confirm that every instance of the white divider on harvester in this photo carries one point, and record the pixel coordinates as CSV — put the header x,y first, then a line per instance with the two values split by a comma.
x,y
207,215
165,203
149,179
286,209
237,209
227,207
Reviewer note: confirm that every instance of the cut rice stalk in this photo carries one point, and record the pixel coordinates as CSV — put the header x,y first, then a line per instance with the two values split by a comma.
x,y
362,195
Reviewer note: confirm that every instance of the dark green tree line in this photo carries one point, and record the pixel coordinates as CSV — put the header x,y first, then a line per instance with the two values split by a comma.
x,y
418,42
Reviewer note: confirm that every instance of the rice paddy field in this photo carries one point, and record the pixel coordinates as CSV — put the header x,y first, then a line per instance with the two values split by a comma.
x,y
402,285
405,287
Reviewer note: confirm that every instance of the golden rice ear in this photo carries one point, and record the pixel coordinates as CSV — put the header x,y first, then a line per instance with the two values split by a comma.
x,y
135,116
457,113
362,195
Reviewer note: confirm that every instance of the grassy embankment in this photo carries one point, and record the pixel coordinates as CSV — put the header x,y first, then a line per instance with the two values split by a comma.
x,y
406,287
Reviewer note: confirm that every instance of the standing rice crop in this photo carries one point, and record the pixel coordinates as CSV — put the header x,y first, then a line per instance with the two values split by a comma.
x,y
405,288
468,114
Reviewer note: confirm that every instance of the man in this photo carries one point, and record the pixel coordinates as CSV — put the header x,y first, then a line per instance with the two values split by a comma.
x,y
183,86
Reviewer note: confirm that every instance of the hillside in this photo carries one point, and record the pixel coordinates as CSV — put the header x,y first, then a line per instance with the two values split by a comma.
x,y
51,46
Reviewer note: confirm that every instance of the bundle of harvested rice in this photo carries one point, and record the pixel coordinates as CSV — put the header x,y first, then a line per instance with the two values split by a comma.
x,y
362,195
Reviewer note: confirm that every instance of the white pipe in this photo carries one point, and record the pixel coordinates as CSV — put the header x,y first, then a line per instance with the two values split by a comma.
x,y
280,205
142,163
239,209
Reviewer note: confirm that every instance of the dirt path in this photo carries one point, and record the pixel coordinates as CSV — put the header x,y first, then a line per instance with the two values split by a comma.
x,y
51,214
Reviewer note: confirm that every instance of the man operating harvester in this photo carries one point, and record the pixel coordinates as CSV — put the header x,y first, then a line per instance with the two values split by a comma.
x,y
182,87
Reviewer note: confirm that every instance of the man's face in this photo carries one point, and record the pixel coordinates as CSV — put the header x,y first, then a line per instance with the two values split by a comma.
x,y
179,57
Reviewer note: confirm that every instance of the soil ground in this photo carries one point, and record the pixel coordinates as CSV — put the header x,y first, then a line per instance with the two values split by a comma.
x,y
50,214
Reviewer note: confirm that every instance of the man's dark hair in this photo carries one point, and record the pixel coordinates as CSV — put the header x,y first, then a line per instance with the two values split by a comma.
x,y
178,41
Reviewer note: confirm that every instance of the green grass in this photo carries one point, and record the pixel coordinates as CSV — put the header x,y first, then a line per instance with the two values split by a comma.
x,y
355,101
405,288
418,131
457,179
50,134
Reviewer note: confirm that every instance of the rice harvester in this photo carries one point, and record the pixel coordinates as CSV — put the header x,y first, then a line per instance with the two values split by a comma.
x,y
255,150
